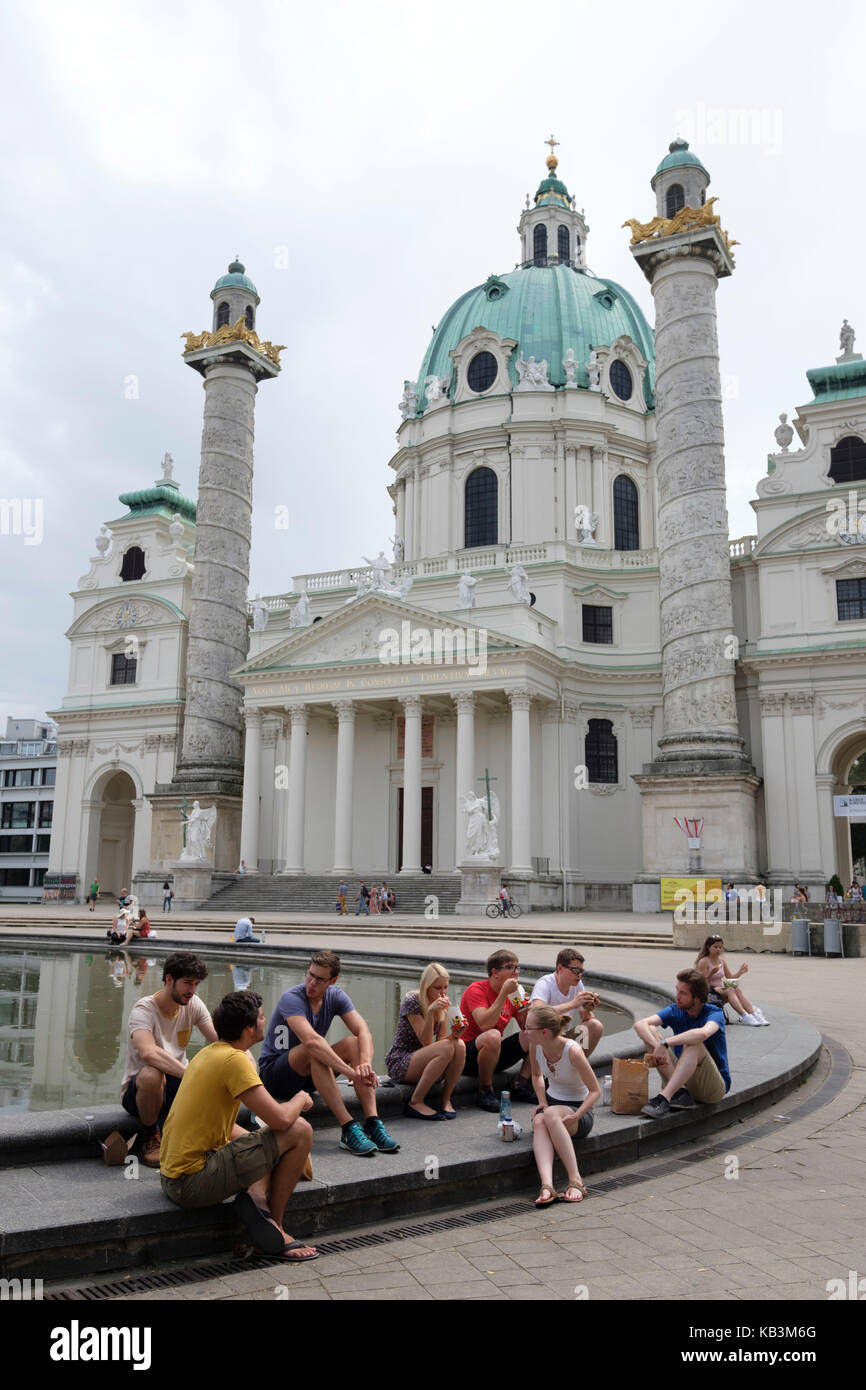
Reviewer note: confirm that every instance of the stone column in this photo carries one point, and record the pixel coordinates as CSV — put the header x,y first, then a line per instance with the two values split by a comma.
x,y
412,785
521,782
343,800
295,819
551,786
416,514
825,785
776,792
252,790
802,763
409,514
465,765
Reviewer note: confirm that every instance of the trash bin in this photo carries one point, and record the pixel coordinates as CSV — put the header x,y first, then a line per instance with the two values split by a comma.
x,y
833,942
800,942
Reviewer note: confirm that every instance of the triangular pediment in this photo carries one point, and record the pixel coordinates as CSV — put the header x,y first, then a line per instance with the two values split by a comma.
x,y
360,633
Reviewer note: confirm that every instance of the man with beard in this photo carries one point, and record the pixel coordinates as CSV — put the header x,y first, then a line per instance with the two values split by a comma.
x,y
159,1029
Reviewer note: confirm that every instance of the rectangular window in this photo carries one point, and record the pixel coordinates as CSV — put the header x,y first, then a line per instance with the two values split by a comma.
x,y
21,777
17,844
597,623
46,813
851,600
30,750
38,876
14,878
19,815
49,776
123,669
43,844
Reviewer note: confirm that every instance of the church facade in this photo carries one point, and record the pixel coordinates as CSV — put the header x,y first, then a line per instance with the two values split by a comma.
x,y
564,614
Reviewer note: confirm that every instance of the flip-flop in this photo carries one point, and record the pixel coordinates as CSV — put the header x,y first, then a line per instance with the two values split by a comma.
x,y
554,1197
299,1245
578,1187
263,1233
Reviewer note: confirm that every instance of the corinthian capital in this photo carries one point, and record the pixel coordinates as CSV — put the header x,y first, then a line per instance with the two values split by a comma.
x,y
464,700
412,705
520,698
345,711
297,712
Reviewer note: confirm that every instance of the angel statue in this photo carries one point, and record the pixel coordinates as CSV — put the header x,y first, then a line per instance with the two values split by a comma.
x,y
585,523
481,837
518,583
199,825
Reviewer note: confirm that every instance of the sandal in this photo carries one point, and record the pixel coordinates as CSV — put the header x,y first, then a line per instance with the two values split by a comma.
x,y
579,1186
554,1197
299,1245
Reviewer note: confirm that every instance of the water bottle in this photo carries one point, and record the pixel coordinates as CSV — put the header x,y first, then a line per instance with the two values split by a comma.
x,y
605,1090
263,936
505,1107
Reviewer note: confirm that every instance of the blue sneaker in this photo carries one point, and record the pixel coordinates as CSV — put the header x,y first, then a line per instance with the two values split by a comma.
x,y
376,1131
355,1140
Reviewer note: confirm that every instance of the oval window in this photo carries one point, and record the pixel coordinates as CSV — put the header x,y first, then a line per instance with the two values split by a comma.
x,y
620,379
482,372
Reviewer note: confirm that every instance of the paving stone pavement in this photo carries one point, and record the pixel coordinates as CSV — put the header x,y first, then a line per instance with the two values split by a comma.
x,y
790,1217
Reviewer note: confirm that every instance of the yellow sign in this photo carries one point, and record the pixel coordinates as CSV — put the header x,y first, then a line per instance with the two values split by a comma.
x,y
700,889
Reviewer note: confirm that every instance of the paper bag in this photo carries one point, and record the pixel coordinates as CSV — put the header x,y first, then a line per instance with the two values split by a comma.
x,y
115,1148
629,1087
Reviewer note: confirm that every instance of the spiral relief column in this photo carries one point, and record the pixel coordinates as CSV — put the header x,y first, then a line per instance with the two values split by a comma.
x,y
700,768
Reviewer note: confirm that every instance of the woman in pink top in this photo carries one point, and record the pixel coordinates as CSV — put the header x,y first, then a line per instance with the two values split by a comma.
x,y
713,965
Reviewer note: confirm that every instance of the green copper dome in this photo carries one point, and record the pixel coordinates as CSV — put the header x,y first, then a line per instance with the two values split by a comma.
x,y
165,498
680,154
547,310
552,192
236,279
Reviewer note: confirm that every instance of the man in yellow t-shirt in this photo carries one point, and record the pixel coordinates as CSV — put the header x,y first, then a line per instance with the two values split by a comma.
x,y
206,1156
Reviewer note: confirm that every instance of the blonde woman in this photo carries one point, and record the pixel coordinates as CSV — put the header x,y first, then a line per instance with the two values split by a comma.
x,y
425,1049
563,1114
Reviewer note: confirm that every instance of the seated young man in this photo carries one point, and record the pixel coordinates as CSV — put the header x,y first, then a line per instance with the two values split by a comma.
x,y
296,1057
244,931
159,1028
206,1156
700,1074
565,992
488,1007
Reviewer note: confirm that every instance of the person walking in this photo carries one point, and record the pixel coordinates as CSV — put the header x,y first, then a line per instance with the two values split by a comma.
x,y
93,894
362,898
342,890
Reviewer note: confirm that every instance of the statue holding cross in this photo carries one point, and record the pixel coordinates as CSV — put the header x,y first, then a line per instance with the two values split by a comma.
x,y
482,817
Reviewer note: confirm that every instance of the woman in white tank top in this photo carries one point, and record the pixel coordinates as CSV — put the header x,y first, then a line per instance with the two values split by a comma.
x,y
565,1110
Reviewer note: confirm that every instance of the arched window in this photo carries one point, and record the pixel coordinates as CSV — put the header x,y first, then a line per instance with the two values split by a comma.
x,y
250,316
223,312
562,244
539,245
848,460
626,528
481,510
675,199
601,752
133,564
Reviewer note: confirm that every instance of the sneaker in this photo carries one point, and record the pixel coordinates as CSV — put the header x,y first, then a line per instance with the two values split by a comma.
x,y
656,1109
376,1131
522,1090
750,1021
764,1022
681,1100
487,1100
150,1149
355,1140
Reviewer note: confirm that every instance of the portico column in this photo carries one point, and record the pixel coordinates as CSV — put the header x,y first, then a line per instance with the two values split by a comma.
x,y
252,790
412,786
295,820
465,771
343,819
521,782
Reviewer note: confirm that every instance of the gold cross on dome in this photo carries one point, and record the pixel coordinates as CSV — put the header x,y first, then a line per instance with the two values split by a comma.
x,y
551,142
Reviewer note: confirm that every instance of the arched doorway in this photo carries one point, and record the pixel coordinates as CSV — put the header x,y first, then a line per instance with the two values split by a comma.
x,y
113,830
849,773
857,782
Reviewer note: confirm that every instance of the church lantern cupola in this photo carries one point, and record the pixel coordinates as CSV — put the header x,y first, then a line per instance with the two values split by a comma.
x,y
680,180
552,231
234,296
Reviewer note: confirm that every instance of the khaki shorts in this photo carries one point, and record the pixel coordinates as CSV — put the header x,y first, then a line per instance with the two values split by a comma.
x,y
705,1085
226,1171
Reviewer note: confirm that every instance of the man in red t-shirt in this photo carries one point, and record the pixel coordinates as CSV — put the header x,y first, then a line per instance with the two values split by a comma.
x,y
488,1007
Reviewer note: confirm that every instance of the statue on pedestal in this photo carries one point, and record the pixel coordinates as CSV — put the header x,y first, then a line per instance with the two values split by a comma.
x,y
532,375
260,614
846,339
399,549
199,826
518,583
466,587
593,368
571,365
301,616
585,523
381,569
167,466
482,841
409,401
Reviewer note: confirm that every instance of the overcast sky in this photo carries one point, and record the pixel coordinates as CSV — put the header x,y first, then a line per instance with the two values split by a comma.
x,y
369,163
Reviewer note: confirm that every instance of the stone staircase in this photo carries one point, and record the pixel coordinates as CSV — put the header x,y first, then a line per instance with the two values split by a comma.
x,y
318,893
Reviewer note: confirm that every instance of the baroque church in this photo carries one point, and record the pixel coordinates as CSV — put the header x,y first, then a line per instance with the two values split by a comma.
x,y
565,632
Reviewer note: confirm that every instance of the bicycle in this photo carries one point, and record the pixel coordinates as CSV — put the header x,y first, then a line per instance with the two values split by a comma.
x,y
500,909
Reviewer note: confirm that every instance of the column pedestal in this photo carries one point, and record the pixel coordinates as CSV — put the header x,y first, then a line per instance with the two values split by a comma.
x,y
480,886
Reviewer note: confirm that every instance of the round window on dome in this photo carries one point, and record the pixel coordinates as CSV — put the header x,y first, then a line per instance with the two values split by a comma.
x,y
620,379
482,371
